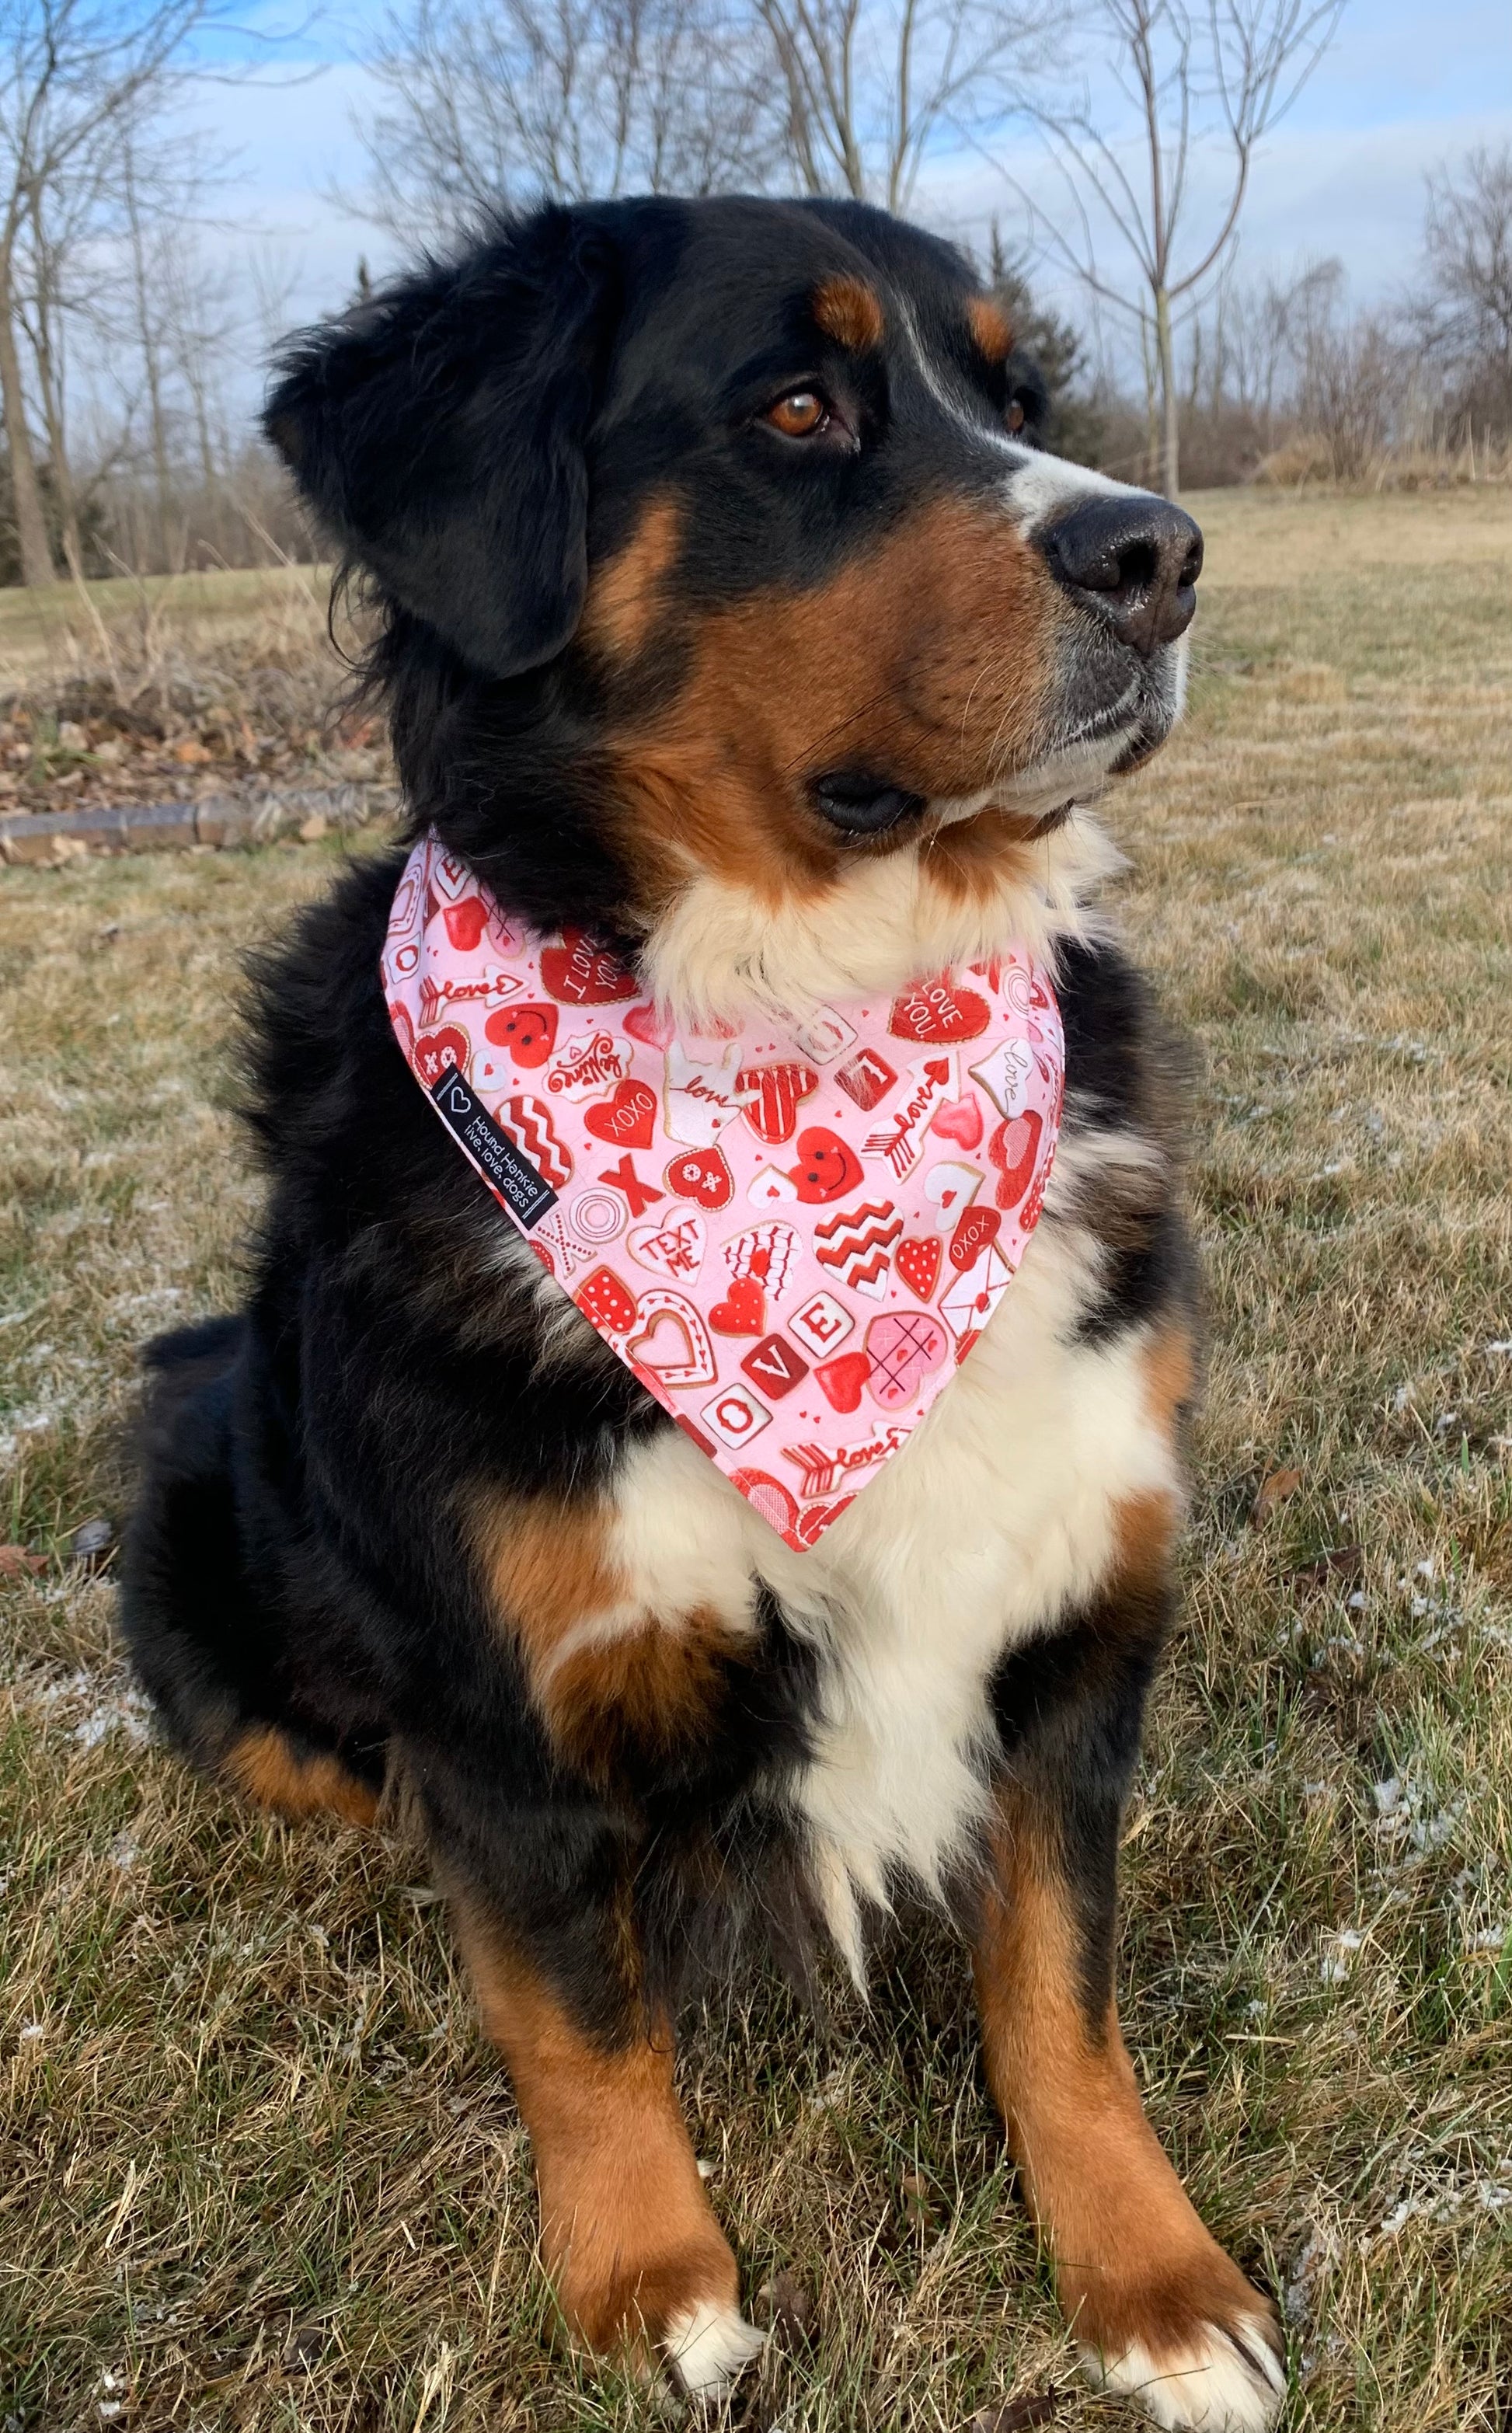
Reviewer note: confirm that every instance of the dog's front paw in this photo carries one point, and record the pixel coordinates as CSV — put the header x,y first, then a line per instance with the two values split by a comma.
x,y
1225,2376
671,2304
707,2346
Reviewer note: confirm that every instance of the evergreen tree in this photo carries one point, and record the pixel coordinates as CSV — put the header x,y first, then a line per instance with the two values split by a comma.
x,y
1052,347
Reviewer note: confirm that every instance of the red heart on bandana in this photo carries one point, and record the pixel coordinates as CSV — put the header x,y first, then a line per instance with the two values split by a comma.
x,y
813,1523
579,973
703,1176
649,1024
435,1050
768,1496
743,1310
960,1120
465,922
844,1380
917,1261
604,1299
975,1229
627,1119
937,1014
771,1095
827,1169
1012,1149
529,1032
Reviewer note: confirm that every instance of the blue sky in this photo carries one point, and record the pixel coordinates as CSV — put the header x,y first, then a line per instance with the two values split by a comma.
x,y
1404,88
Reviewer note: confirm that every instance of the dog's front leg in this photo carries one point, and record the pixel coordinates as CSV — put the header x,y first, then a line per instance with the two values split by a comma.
x,y
639,2265
1157,2308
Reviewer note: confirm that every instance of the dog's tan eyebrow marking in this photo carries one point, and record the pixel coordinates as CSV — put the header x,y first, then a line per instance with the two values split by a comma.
x,y
991,329
847,311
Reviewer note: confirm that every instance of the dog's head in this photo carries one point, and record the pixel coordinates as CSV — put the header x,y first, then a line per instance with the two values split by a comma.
x,y
730,602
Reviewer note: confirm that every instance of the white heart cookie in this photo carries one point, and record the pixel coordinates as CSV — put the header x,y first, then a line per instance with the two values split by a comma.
x,y
674,1248
949,1187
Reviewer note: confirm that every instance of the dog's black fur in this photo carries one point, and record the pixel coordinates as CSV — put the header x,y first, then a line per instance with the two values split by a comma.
x,y
307,1459
296,1559
302,1561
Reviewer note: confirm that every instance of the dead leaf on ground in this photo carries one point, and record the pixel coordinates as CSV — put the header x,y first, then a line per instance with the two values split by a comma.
x,y
1015,2415
1338,1567
914,2198
785,2309
15,1562
1273,1489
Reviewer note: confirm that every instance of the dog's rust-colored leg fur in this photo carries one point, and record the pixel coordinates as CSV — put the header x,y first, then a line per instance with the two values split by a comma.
x,y
1156,2306
639,2265
1135,2268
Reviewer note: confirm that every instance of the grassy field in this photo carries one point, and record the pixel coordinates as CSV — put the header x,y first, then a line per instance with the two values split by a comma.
x,y
260,2169
172,688
45,631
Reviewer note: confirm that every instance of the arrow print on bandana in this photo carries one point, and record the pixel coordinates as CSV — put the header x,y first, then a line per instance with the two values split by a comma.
x,y
929,1083
624,1177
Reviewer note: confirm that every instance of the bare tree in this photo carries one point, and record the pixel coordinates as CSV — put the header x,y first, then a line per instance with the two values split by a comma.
x,y
202,326
48,298
1464,316
490,101
515,99
870,84
54,99
1195,82
1249,346
71,72
146,245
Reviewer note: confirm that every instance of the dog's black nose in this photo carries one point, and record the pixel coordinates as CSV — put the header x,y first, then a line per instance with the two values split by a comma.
x,y
1135,560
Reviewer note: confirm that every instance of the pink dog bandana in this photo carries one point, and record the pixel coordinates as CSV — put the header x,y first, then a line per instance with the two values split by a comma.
x,y
792,1234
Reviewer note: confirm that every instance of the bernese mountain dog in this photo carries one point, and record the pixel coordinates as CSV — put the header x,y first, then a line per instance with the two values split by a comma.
x,y
729,613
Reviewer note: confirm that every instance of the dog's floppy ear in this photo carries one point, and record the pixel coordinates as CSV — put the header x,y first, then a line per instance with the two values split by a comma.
x,y
438,433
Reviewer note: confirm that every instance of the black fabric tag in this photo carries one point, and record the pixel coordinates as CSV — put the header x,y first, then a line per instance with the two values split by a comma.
x,y
512,1174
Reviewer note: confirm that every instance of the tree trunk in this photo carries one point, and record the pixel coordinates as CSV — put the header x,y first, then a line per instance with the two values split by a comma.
x,y
1149,466
1170,402
37,565
48,381
160,446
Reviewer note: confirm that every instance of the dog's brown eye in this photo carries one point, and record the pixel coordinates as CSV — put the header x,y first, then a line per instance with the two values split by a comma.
x,y
1015,416
798,416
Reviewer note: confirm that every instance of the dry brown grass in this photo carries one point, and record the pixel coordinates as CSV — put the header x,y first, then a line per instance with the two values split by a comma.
x,y
1311,461
178,687
262,2171
50,635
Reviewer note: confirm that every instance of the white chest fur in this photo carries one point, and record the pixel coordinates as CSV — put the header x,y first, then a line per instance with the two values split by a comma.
x,y
995,1520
